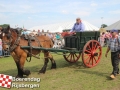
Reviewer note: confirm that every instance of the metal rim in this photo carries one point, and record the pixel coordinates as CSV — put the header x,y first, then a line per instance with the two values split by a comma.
x,y
92,53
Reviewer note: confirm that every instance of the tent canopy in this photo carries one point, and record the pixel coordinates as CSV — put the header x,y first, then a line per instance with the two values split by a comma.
x,y
115,25
63,26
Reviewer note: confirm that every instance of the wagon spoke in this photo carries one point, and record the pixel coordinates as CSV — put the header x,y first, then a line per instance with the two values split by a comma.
x,y
68,56
89,61
92,46
95,59
76,55
92,61
73,57
87,55
95,46
87,51
89,47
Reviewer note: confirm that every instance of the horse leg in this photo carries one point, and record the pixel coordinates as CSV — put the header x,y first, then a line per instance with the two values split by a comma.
x,y
43,70
16,59
52,61
20,71
21,65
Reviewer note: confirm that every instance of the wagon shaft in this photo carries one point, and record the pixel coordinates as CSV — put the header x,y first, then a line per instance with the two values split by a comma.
x,y
50,49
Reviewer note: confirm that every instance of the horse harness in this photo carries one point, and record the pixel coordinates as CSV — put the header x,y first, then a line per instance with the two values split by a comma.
x,y
17,41
30,39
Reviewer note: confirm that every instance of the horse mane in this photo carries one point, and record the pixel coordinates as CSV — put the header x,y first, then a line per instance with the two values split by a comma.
x,y
18,31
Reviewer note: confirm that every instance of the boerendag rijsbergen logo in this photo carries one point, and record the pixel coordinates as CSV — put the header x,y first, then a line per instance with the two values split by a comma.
x,y
7,81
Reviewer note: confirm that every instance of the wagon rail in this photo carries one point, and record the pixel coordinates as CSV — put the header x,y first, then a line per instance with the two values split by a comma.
x,y
51,49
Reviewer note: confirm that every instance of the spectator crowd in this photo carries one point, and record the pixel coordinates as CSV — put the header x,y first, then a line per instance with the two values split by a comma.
x,y
53,36
104,38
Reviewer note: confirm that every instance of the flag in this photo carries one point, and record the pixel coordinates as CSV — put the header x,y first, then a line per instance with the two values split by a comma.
x,y
5,81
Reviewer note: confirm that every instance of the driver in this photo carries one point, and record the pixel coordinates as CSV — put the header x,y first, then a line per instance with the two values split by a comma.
x,y
78,26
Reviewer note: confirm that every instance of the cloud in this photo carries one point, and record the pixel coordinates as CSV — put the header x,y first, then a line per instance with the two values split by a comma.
x,y
26,7
29,18
94,4
115,12
17,8
2,6
82,13
101,11
64,12
41,11
110,3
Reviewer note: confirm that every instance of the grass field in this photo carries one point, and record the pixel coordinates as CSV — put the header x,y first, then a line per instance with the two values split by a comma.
x,y
67,76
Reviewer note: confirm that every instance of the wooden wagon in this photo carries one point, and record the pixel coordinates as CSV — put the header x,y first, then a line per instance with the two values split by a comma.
x,y
83,44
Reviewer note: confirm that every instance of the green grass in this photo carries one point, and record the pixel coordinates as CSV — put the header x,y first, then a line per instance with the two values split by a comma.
x,y
67,76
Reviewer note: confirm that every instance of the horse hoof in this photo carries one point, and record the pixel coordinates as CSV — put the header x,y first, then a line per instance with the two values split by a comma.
x,y
53,66
27,72
42,71
19,76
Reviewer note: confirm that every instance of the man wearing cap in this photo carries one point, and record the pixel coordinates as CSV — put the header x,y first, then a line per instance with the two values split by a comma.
x,y
78,26
113,46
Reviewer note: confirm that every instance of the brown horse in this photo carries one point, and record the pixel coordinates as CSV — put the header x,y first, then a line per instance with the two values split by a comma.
x,y
12,40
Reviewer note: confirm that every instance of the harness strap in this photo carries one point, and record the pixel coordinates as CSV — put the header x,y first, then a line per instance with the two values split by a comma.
x,y
30,50
38,43
15,44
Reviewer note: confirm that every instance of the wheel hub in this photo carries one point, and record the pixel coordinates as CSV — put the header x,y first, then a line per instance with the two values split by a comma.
x,y
92,53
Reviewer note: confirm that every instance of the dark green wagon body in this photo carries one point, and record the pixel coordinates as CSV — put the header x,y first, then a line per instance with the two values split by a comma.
x,y
80,39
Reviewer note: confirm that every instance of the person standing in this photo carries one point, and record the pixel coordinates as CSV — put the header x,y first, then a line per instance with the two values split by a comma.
x,y
0,48
39,33
107,37
34,33
113,46
102,39
43,33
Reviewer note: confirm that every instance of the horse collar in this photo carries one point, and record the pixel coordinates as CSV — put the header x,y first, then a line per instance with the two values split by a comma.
x,y
16,43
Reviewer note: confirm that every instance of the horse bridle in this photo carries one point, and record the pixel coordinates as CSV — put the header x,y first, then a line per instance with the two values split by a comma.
x,y
10,37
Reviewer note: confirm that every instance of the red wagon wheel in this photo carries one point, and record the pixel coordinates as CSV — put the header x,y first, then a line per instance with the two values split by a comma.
x,y
72,57
91,54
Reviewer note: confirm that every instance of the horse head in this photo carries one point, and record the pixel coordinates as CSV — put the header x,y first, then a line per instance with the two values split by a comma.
x,y
6,37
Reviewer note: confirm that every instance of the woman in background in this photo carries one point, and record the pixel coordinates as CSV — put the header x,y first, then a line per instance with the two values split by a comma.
x,y
0,48
102,39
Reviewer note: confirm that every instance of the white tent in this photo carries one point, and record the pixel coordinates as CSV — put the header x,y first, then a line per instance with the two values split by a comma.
x,y
62,26
115,25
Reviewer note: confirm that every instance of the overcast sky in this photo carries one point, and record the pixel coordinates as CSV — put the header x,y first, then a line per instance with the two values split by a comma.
x,y
30,13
